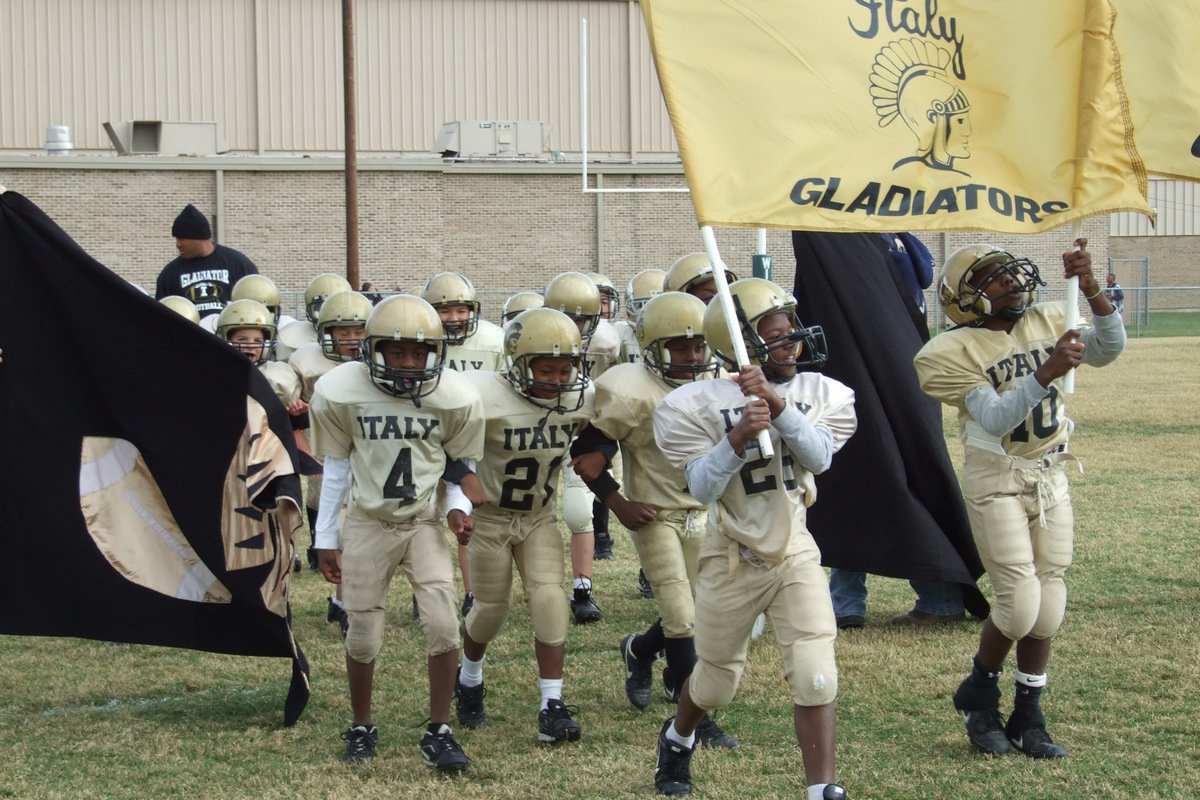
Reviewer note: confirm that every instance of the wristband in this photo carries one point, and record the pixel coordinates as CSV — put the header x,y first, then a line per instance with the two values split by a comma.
x,y
1094,296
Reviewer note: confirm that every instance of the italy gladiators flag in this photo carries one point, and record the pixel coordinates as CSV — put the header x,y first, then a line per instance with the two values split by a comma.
x,y
885,115
1160,60
150,492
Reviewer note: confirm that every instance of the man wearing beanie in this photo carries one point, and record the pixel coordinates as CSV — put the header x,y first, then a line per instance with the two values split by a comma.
x,y
204,272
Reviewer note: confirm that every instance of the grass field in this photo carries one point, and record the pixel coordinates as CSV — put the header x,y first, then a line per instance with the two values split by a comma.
x,y
83,719
1168,323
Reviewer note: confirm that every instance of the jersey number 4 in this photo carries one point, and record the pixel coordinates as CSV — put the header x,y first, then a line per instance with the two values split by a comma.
x,y
399,484
524,472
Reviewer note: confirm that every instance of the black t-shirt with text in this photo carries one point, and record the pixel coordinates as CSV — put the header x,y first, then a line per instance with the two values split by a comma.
x,y
206,281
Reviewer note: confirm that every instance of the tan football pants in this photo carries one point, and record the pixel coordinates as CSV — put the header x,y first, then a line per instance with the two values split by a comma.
x,y
371,552
1024,527
794,593
533,544
669,551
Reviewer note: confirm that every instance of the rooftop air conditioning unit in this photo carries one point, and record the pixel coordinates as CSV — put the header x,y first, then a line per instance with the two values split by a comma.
x,y
464,139
162,137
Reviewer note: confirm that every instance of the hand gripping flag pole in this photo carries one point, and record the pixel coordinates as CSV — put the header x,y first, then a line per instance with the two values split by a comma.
x,y
725,298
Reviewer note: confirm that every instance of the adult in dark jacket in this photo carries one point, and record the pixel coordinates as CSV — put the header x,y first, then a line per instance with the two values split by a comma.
x,y
204,272
891,504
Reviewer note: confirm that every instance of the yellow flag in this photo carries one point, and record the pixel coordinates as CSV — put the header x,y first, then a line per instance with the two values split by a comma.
x,y
884,115
1159,44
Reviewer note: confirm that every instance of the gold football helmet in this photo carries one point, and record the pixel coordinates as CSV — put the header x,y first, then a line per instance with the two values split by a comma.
x,y
755,298
447,289
666,317
244,313
690,270
962,288
641,288
181,306
521,301
539,332
405,318
607,290
344,309
575,295
324,286
259,288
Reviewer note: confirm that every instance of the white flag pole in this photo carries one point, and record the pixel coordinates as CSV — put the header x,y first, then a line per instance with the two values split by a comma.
x,y
1072,307
725,298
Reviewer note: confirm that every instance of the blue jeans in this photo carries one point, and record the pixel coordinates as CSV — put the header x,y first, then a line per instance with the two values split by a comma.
x,y
848,589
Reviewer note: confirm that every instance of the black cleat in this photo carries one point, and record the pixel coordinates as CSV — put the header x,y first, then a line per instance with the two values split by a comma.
x,y
336,613
468,601
583,607
850,622
360,743
673,772
639,679
416,612
312,559
555,723
1031,737
441,752
709,734
468,704
985,729
295,563
603,550
644,586
833,791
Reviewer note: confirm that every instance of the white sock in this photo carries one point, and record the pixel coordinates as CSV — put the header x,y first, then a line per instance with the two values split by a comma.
x,y
1032,681
816,790
678,738
336,602
471,673
551,690
583,581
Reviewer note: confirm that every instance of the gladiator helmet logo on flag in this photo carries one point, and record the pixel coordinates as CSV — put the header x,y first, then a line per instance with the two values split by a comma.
x,y
911,80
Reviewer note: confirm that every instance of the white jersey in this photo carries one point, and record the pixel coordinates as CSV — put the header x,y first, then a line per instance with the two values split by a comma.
x,y
397,451
482,350
310,363
631,350
283,379
286,344
763,508
626,397
603,349
525,445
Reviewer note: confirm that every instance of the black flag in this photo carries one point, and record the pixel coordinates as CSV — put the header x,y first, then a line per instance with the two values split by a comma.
x,y
890,504
150,490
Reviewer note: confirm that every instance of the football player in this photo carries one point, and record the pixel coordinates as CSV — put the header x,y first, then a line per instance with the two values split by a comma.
x,y
531,412
521,301
757,555
473,343
386,427
665,521
304,331
341,327
1001,369
641,288
263,289
182,306
693,274
576,295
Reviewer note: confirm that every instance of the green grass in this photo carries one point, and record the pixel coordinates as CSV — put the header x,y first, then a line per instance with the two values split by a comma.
x,y
1167,324
83,719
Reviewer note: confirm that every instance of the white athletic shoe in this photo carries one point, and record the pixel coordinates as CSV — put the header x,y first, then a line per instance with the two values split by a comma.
x,y
760,625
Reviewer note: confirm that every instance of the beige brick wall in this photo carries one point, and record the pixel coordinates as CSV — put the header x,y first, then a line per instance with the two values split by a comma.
x,y
507,231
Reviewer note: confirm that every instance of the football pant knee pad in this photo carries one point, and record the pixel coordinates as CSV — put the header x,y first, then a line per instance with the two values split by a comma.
x,y
365,635
549,613
577,508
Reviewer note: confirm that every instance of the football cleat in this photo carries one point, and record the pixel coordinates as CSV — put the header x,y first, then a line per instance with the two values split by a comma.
x,y
644,586
985,729
604,547
360,743
583,607
1027,733
440,752
556,723
468,704
468,602
710,734
673,772
336,613
639,680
